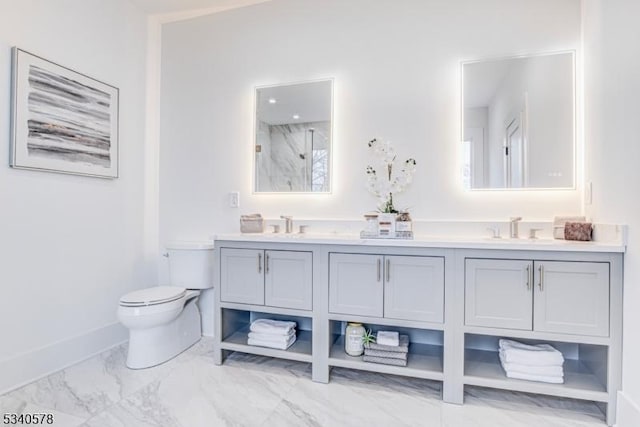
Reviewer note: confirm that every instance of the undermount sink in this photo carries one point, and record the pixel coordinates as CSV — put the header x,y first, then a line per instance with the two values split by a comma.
x,y
508,240
285,235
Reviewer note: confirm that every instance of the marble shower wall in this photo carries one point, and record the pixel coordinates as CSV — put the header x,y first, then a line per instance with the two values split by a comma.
x,y
285,162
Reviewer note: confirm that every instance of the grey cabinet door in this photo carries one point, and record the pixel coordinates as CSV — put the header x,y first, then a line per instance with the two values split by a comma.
x,y
242,276
572,297
498,293
288,279
355,284
414,288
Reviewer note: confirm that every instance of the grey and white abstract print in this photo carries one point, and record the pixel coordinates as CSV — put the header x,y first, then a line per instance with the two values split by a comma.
x,y
67,119
63,121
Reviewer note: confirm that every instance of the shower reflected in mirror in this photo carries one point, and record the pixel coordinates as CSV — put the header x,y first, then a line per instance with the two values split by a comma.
x,y
293,138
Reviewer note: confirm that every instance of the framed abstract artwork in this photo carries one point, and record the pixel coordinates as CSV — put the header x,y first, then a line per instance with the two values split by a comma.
x,y
62,121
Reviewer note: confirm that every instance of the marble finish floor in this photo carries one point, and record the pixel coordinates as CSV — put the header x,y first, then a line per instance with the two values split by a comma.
x,y
257,391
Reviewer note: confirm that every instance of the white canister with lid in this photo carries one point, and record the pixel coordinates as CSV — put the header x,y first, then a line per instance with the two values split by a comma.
x,y
353,344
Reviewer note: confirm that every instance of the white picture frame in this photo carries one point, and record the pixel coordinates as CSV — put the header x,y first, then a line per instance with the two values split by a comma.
x,y
62,121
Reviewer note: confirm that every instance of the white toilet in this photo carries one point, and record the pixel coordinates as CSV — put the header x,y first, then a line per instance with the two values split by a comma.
x,y
164,321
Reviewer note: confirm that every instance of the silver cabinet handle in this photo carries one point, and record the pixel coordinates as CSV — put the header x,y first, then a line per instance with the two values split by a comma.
x,y
259,262
387,269
528,277
266,263
541,283
379,268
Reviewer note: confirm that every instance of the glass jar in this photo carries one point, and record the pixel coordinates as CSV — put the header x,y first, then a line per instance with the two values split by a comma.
x,y
353,344
404,225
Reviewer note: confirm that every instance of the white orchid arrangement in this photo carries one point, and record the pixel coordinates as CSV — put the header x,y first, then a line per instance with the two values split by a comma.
x,y
384,185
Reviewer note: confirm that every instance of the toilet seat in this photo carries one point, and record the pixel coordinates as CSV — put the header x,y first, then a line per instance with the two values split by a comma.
x,y
152,296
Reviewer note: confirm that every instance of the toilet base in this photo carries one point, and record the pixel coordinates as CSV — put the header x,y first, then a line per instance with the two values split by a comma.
x,y
153,346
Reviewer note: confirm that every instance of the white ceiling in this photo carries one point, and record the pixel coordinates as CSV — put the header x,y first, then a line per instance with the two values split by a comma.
x,y
159,7
310,101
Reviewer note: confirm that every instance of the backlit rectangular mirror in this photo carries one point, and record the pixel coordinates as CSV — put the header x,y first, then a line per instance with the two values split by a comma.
x,y
518,122
293,128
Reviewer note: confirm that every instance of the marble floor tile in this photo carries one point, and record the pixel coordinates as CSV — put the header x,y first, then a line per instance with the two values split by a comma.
x,y
532,402
267,364
248,390
479,415
338,404
13,405
377,381
91,386
199,393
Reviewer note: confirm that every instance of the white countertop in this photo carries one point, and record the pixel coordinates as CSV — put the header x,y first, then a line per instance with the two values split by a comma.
x,y
430,242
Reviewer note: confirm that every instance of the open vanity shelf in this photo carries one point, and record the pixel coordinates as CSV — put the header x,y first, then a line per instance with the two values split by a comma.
x,y
425,358
300,350
482,368
585,368
236,325
425,361
454,302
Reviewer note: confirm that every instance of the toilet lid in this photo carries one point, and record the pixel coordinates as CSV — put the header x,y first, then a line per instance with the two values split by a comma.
x,y
153,296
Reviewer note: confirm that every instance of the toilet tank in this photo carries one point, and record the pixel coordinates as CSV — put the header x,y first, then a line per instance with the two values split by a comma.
x,y
191,264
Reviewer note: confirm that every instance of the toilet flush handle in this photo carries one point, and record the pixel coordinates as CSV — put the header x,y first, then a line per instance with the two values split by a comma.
x,y
166,254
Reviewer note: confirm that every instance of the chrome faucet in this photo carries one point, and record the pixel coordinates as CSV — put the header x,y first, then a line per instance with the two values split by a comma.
x,y
288,223
513,226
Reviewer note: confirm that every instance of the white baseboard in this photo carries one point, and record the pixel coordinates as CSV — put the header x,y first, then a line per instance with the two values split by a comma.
x,y
28,367
628,411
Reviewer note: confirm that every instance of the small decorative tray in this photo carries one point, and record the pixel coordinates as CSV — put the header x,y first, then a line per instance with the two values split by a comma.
x,y
406,235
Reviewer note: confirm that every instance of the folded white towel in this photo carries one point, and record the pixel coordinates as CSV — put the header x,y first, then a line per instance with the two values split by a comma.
x,y
276,339
388,338
539,378
534,355
271,344
541,358
269,326
509,344
548,371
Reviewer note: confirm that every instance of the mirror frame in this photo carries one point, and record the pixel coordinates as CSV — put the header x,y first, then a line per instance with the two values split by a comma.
x,y
574,142
254,163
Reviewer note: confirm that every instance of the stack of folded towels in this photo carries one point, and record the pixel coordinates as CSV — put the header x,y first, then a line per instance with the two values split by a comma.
x,y
272,333
390,348
531,362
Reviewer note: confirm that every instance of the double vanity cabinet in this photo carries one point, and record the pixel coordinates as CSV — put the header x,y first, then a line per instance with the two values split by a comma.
x,y
387,286
544,296
455,300
267,277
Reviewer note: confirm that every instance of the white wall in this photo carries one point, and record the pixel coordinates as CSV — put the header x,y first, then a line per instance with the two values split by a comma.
x,y
612,138
551,120
506,104
396,69
477,124
545,85
70,246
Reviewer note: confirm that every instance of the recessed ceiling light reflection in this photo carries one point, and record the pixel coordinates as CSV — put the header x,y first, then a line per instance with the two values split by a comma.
x,y
296,116
272,101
